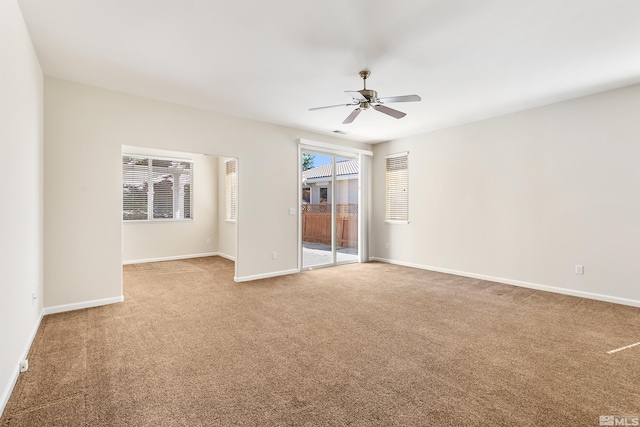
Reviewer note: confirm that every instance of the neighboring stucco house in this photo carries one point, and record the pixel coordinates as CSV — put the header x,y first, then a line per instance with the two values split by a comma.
x,y
316,183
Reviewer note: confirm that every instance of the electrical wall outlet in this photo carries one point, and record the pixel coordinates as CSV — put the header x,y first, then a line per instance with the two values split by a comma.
x,y
386,245
292,211
580,269
274,255
208,241
24,365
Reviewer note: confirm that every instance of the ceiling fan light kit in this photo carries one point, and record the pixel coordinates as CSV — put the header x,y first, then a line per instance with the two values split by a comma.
x,y
366,98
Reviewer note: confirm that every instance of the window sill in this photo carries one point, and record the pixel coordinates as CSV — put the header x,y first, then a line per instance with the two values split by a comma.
x,y
153,221
395,221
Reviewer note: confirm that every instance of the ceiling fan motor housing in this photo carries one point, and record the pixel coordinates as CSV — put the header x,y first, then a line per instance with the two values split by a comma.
x,y
371,96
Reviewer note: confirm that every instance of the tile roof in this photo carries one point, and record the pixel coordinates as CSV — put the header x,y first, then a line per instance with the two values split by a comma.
x,y
346,167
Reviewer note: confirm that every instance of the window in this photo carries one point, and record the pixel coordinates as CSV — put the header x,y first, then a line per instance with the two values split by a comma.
x,y
156,189
397,198
324,194
231,189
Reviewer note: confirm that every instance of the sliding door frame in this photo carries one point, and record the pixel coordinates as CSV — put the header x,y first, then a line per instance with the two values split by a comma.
x,y
334,150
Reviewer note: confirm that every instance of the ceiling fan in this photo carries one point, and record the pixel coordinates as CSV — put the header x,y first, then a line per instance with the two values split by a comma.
x,y
365,98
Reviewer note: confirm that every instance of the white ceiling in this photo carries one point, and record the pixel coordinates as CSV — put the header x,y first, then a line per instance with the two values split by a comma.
x,y
273,60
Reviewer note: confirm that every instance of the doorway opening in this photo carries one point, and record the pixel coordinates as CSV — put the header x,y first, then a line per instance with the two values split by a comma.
x,y
165,217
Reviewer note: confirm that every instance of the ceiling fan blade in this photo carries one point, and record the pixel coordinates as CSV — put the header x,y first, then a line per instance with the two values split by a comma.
x,y
352,116
356,95
403,98
331,106
390,111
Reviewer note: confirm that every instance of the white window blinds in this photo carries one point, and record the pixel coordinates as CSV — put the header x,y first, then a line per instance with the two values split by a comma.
x,y
397,180
231,189
156,189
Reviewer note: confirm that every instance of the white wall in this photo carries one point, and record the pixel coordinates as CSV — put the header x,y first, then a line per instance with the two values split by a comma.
x,y
315,191
227,230
347,191
144,241
20,194
525,197
85,128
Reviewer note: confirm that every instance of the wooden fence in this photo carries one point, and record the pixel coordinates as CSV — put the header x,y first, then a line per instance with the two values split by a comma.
x,y
316,224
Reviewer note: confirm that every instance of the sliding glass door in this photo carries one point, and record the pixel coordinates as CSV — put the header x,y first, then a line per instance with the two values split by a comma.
x,y
329,209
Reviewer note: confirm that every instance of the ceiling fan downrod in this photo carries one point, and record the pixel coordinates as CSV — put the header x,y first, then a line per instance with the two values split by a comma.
x,y
370,96
364,74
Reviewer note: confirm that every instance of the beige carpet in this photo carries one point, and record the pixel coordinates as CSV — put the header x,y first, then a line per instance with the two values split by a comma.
x,y
363,344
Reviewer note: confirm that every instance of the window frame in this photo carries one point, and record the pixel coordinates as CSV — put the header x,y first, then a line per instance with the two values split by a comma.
x,y
150,202
326,191
403,183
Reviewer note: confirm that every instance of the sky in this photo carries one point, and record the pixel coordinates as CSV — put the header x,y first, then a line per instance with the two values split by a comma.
x,y
321,159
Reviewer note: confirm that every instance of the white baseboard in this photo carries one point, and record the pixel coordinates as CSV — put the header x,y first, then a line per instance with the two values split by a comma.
x,y
557,290
265,275
6,393
173,258
229,257
81,305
